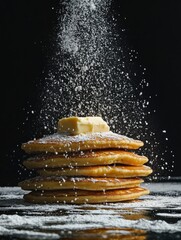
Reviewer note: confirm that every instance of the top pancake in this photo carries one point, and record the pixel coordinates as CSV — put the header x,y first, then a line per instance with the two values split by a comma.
x,y
66,143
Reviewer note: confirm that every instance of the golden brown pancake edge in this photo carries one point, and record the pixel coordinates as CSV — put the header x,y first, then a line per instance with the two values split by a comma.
x,y
82,197
86,158
118,171
65,143
84,183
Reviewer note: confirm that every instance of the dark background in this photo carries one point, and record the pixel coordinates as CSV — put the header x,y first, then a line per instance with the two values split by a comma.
x,y
153,29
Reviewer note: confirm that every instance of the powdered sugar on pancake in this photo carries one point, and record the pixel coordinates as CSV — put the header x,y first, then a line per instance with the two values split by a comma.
x,y
84,137
81,179
71,179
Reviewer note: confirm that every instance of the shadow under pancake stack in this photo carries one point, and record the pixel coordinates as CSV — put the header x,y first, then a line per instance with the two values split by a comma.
x,y
84,162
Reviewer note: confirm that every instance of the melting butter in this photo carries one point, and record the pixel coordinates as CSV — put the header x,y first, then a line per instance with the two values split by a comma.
x,y
82,125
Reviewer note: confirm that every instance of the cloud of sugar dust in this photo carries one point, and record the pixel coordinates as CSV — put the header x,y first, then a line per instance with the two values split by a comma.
x,y
89,75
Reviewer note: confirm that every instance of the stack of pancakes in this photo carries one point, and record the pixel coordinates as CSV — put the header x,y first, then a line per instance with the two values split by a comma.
x,y
96,167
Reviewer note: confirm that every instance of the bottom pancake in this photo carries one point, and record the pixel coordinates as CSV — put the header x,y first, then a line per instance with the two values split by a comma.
x,y
83,196
83,183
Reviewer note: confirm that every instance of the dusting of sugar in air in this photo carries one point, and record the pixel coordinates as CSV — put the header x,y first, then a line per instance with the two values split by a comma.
x,y
91,73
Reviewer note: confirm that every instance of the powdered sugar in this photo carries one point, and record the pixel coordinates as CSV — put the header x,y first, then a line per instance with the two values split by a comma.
x,y
83,137
79,221
72,179
91,72
27,234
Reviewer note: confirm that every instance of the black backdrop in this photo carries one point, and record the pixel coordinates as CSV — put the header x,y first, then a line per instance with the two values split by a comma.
x,y
153,29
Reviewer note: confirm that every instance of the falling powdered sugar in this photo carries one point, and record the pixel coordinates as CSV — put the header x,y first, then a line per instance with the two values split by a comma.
x,y
90,73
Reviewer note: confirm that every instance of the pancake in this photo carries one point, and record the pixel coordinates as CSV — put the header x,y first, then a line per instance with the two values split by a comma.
x,y
65,143
118,171
83,196
98,184
86,158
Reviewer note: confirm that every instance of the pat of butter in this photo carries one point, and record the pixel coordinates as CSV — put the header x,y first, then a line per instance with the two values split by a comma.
x,y
78,125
